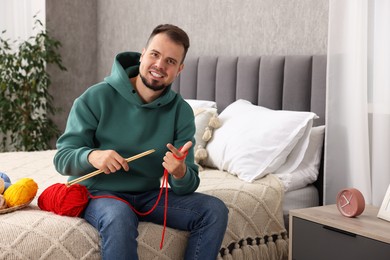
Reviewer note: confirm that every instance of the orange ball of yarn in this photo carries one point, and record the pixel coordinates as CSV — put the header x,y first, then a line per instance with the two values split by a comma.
x,y
21,192
63,200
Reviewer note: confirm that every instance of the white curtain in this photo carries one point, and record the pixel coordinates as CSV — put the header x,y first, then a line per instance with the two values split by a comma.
x,y
16,17
357,148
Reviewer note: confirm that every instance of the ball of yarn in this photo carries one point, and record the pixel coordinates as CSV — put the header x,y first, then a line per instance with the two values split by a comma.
x,y
5,182
64,200
21,192
2,186
5,177
3,204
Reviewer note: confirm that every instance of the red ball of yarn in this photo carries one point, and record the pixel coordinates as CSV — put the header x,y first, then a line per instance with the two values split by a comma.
x,y
64,200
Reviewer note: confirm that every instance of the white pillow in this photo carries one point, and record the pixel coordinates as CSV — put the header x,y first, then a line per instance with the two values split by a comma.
x,y
307,171
254,141
296,155
194,103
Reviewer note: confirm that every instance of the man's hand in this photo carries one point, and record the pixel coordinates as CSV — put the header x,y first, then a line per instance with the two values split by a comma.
x,y
107,161
174,166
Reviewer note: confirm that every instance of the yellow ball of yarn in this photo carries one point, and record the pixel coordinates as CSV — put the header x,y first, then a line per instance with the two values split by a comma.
x,y
21,192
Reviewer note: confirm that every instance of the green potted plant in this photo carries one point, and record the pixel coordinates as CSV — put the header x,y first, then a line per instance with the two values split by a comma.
x,y
25,102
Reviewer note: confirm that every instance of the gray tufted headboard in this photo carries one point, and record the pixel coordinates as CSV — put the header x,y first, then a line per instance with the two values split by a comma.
x,y
277,82
296,82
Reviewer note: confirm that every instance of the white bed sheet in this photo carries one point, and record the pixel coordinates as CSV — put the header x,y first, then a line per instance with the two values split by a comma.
x,y
302,198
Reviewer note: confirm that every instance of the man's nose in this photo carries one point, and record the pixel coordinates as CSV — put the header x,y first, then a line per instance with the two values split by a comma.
x,y
159,63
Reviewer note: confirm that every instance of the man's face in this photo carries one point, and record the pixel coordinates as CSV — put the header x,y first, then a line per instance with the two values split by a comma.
x,y
161,62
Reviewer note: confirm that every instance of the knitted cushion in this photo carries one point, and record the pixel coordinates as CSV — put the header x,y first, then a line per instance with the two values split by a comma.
x,y
206,120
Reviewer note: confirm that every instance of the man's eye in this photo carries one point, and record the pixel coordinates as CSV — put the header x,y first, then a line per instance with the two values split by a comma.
x,y
172,62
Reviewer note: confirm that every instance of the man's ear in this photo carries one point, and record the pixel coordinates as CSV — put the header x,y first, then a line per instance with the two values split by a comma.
x,y
180,69
142,54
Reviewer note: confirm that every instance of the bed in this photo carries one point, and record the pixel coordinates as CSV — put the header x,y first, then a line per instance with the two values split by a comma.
x,y
258,205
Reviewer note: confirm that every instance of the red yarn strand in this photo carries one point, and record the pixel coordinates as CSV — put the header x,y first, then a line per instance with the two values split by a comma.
x,y
131,206
164,185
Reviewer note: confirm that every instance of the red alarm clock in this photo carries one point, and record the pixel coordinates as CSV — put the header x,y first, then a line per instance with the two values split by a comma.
x,y
350,202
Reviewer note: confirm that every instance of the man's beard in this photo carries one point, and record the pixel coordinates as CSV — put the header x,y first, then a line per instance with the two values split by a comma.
x,y
152,86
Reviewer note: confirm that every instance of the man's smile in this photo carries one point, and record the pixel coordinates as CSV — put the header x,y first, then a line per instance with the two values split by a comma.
x,y
155,74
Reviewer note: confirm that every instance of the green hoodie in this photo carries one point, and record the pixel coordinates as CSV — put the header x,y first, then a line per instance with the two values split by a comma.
x,y
111,115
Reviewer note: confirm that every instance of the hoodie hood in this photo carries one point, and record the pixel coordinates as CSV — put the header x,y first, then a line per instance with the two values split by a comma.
x,y
126,66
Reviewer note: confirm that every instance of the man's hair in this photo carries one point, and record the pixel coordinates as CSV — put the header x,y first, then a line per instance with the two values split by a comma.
x,y
175,33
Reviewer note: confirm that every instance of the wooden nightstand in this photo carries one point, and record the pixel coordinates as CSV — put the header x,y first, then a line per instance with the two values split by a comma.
x,y
323,233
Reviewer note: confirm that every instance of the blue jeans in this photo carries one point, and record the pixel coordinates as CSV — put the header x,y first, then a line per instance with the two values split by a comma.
x,y
204,216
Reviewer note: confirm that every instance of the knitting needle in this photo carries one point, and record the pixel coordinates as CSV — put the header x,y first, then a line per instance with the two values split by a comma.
x,y
89,175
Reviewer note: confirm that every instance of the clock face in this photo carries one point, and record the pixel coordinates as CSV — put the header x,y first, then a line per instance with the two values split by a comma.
x,y
350,202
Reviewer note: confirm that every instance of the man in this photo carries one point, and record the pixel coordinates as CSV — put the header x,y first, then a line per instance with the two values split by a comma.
x,y
131,111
